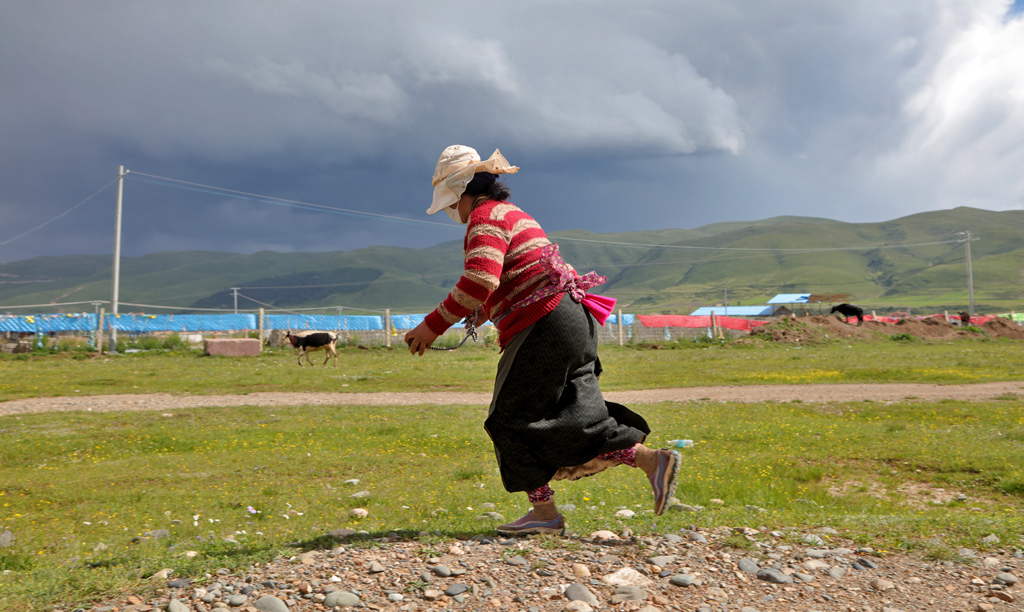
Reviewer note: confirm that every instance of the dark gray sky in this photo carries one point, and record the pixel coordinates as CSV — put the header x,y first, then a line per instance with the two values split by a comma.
x,y
622,115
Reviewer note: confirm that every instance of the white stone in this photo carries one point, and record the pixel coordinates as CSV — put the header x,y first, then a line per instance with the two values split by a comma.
x,y
627,577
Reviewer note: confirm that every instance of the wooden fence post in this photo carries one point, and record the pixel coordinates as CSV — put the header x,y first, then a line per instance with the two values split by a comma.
x,y
714,325
260,325
945,313
387,327
620,327
99,330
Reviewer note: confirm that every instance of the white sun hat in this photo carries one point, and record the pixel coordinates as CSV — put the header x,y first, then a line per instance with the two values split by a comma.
x,y
455,169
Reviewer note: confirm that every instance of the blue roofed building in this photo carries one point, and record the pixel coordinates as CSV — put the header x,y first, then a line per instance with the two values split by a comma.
x,y
791,298
733,311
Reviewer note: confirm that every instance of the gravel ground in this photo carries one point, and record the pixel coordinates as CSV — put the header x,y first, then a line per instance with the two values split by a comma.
x,y
753,393
688,571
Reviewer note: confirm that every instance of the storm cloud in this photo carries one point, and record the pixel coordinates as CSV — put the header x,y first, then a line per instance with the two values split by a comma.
x,y
622,116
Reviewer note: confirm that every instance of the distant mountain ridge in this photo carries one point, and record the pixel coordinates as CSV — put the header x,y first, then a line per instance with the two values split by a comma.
x,y
667,270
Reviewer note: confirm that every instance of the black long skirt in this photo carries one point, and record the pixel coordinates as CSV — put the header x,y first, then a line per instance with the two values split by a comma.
x,y
548,419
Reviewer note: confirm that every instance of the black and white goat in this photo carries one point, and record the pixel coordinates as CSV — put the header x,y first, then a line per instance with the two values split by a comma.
x,y
309,342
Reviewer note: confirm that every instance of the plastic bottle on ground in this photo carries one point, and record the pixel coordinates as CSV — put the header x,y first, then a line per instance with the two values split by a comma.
x,y
680,443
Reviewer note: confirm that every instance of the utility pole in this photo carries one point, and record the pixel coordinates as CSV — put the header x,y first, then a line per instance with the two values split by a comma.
x,y
726,301
970,274
235,289
117,257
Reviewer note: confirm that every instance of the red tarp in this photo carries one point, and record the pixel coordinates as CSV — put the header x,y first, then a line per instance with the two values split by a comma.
x,y
747,324
693,322
975,320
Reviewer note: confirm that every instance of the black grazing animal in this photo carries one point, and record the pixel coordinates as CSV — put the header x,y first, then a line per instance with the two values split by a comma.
x,y
965,319
315,341
849,310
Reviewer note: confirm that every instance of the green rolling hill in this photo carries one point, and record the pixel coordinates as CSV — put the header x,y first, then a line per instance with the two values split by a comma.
x,y
657,271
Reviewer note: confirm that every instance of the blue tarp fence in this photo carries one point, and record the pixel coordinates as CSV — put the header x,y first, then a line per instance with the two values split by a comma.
x,y
138,323
142,323
324,322
46,323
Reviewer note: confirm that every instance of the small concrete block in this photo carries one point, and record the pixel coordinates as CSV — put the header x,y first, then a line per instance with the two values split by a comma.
x,y
233,347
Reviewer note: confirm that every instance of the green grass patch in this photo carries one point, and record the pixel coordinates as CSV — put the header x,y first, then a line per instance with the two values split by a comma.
x,y
471,369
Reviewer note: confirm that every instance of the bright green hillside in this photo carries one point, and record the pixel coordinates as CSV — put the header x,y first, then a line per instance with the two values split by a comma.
x,y
668,270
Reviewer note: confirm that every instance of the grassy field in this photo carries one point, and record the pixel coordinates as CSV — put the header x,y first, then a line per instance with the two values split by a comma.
x,y
80,491
471,368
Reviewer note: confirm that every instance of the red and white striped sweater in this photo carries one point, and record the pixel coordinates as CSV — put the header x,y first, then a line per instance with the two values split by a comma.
x,y
502,249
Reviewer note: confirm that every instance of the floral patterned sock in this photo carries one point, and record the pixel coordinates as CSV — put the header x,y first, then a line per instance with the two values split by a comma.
x,y
540,495
626,456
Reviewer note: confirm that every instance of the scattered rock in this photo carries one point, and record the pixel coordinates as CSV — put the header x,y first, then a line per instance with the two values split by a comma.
x,y
880,584
237,600
456,589
774,576
578,592
628,593
340,598
627,576
269,603
342,533
176,606
662,561
432,594
990,540
748,565
685,580
1006,578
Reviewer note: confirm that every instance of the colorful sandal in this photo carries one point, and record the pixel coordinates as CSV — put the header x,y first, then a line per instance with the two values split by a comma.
x,y
528,525
663,481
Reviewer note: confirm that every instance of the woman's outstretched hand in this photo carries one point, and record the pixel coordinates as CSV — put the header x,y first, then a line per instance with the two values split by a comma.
x,y
419,339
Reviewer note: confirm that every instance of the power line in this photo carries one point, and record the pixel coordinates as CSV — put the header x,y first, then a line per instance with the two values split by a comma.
x,y
243,195
39,227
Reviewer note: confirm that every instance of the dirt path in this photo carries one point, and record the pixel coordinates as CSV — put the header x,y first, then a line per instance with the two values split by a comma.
x,y
753,393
